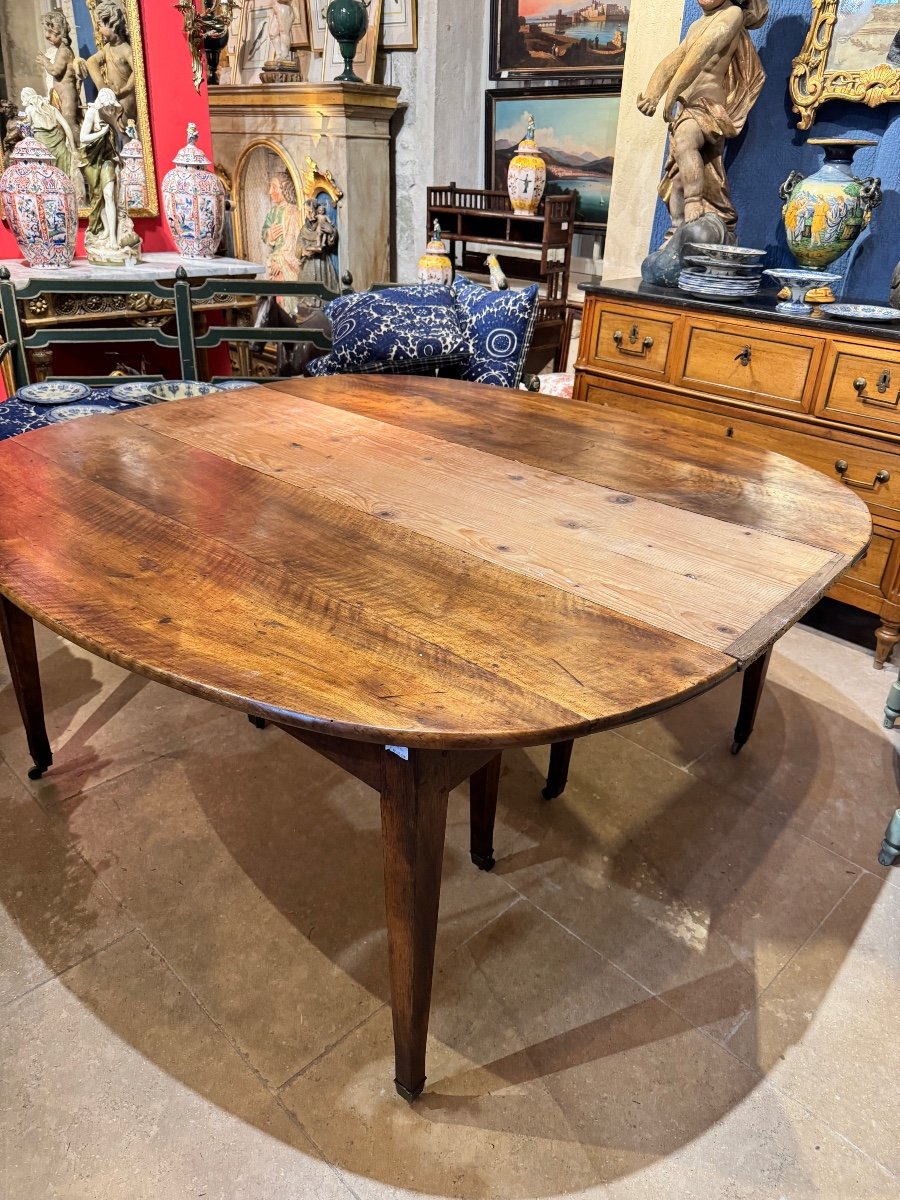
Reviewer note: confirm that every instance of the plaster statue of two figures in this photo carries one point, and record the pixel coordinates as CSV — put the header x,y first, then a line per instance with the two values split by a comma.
x,y
707,87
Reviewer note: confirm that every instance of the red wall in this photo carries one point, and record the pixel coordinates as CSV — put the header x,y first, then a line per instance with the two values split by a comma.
x,y
173,102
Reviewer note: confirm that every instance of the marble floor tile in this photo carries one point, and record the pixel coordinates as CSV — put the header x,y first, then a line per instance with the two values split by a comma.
x,y
678,883
819,758
53,909
551,1074
825,1032
257,871
115,1084
101,720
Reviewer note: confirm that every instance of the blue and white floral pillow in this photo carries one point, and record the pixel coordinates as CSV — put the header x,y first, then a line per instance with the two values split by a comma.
x,y
499,326
402,329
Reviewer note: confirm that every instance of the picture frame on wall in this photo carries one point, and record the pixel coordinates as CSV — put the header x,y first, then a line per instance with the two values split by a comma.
x,y
318,30
300,39
399,25
252,42
364,62
851,52
553,39
575,130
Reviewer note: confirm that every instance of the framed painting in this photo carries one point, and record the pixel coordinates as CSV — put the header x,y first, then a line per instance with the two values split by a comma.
x,y
318,30
364,62
300,27
65,53
398,25
575,130
851,52
252,46
532,39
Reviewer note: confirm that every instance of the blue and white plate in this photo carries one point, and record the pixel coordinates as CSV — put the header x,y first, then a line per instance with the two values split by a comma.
x,y
233,385
83,410
180,389
135,390
861,312
53,391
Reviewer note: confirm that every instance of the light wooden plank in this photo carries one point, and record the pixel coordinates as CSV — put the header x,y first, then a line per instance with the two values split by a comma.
x,y
705,579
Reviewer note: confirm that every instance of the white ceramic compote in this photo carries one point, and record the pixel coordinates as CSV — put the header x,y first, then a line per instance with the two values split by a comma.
x,y
798,283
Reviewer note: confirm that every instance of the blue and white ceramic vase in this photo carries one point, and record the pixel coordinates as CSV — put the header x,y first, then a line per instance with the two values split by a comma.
x,y
133,179
40,206
194,201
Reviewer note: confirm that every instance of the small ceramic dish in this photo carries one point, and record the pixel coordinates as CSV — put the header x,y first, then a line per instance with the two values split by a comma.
x,y
724,253
83,410
135,390
861,312
179,389
735,270
234,385
53,391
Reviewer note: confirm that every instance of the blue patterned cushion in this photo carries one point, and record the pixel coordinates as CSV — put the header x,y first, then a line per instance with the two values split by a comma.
x,y
443,364
394,328
499,326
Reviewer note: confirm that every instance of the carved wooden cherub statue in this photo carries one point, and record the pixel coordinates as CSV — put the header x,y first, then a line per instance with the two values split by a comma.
x,y
710,82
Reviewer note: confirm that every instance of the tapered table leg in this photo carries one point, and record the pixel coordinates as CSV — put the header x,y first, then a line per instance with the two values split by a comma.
x,y
483,787
414,793
754,681
558,771
17,631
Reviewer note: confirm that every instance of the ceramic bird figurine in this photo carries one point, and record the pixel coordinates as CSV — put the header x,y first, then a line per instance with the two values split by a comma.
x,y
499,282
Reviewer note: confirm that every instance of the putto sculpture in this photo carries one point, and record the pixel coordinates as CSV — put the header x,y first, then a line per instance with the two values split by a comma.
x,y
707,86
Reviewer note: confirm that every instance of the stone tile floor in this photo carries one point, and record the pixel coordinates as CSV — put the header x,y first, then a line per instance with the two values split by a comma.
x,y
680,981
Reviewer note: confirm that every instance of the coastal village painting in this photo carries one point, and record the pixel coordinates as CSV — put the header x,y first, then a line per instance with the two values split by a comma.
x,y
576,134
558,37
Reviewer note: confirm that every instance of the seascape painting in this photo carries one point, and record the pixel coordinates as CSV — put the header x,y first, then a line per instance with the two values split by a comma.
x,y
866,35
576,136
558,37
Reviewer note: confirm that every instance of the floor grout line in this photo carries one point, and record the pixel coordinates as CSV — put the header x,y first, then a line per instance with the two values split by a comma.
x,y
281,1087
57,975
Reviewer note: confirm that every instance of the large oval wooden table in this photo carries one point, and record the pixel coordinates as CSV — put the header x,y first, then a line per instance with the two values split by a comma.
x,y
409,575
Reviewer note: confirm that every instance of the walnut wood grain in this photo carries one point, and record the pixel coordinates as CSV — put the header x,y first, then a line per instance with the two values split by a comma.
x,y
408,576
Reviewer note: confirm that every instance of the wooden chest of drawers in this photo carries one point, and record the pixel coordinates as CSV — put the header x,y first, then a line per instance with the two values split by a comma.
x,y
822,392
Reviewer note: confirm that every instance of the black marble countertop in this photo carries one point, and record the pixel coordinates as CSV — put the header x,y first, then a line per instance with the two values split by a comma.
x,y
759,308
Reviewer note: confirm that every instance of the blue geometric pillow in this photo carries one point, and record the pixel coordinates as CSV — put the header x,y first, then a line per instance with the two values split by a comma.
x,y
499,326
394,329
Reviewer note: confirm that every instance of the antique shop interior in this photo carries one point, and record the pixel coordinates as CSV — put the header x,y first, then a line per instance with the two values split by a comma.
x,y
450,596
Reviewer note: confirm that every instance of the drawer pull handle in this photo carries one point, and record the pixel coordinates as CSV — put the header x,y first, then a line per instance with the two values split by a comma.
x,y
884,382
881,476
745,356
646,344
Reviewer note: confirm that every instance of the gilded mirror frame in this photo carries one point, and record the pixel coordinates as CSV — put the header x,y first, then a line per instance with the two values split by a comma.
x,y
131,10
813,81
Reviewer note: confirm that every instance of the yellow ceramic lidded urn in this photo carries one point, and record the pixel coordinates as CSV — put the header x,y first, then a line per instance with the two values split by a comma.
x,y
435,265
527,176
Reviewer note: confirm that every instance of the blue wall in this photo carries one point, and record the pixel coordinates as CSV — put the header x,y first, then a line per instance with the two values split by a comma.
x,y
771,146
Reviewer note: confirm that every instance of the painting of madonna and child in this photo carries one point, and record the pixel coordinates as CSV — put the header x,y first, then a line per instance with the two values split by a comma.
x,y
575,131
555,38
866,35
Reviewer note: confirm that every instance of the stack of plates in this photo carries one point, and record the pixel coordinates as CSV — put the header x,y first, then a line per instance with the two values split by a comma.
x,y
725,272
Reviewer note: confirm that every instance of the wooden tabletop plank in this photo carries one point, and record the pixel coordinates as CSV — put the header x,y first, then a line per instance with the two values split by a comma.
x,y
451,599
622,450
696,576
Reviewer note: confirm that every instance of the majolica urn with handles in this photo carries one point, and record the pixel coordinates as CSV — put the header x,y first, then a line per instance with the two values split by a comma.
x,y
194,201
347,21
826,212
40,206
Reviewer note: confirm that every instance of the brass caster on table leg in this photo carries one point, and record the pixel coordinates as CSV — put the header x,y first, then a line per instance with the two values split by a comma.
x,y
550,793
484,862
737,747
409,1095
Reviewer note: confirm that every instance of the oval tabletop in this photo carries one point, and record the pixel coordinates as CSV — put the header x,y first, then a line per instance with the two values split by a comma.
x,y
417,561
